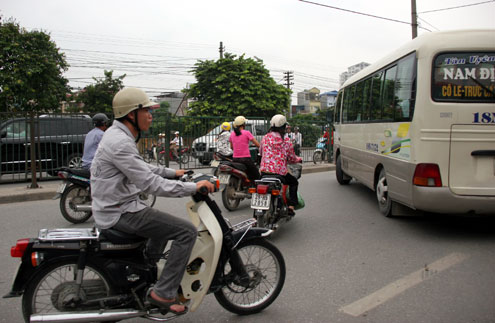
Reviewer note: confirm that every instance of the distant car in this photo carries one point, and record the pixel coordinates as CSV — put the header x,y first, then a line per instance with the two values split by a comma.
x,y
204,147
58,140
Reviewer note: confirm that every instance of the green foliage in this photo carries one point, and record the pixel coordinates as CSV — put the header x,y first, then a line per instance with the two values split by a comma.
x,y
31,68
236,86
98,97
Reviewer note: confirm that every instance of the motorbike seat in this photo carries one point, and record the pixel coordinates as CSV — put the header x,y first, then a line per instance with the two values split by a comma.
x,y
238,166
119,237
77,171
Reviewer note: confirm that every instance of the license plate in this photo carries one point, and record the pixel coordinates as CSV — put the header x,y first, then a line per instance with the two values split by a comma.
x,y
260,201
224,178
215,163
61,188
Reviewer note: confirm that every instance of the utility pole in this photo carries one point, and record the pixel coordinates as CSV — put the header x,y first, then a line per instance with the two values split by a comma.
x,y
288,77
414,19
221,50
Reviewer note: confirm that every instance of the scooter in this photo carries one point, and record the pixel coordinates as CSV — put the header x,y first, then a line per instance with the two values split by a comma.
x,y
269,201
75,195
321,150
88,275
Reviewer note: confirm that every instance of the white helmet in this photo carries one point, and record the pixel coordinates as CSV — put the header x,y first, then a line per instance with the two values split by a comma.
x,y
130,99
176,132
278,121
239,121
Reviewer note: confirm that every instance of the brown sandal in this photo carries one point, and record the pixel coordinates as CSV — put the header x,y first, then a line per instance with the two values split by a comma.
x,y
166,305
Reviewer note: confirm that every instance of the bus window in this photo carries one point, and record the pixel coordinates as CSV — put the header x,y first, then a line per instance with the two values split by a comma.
x,y
358,101
376,108
405,88
352,113
388,94
337,107
366,99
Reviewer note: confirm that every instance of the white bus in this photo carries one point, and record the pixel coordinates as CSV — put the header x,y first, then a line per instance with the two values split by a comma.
x,y
418,126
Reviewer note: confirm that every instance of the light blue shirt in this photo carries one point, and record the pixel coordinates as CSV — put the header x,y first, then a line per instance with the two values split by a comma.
x,y
91,142
119,174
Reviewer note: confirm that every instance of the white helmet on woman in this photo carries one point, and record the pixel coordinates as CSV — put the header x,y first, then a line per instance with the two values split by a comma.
x,y
278,121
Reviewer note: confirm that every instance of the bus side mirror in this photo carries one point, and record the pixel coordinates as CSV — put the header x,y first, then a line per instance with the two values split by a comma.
x,y
3,134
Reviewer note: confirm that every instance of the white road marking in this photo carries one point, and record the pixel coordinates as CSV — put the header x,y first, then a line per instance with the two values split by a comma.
x,y
384,294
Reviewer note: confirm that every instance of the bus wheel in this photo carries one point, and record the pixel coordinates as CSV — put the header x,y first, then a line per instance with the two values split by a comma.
x,y
342,177
384,201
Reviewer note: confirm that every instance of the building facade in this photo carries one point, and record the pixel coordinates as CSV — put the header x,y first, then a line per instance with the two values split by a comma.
x,y
351,70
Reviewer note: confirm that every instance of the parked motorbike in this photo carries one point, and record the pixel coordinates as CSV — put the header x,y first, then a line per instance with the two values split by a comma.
x,y
321,150
75,195
88,275
270,197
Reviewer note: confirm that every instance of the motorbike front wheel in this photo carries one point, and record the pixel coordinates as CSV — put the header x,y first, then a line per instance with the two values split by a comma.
x,y
266,268
54,290
229,202
317,157
149,199
72,196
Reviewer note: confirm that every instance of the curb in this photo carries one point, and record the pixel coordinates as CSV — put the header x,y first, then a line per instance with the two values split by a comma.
x,y
45,192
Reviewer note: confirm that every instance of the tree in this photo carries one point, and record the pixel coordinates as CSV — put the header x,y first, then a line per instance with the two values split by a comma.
x,y
31,69
236,86
97,98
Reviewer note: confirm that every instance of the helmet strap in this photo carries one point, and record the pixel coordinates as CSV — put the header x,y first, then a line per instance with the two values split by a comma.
x,y
134,123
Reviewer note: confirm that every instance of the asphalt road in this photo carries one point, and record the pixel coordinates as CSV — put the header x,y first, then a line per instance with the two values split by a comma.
x,y
345,261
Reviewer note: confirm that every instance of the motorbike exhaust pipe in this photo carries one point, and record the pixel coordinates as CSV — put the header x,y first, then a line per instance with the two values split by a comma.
x,y
241,195
86,317
82,207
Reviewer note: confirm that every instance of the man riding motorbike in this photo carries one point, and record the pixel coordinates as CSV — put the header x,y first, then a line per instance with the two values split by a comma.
x,y
93,138
276,151
119,174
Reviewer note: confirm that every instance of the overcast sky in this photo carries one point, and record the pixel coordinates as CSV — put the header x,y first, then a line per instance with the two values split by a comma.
x,y
156,43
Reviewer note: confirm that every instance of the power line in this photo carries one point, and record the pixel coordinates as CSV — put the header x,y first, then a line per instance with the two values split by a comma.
x,y
356,12
463,6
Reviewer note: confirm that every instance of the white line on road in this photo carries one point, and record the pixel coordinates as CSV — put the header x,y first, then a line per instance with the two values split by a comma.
x,y
371,301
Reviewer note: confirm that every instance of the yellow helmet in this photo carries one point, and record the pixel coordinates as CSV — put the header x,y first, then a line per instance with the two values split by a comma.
x,y
226,126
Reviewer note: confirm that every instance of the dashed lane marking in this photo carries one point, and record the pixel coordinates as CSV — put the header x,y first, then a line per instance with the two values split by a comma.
x,y
386,293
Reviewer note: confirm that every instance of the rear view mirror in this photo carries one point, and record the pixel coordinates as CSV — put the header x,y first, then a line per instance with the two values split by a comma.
x,y
3,134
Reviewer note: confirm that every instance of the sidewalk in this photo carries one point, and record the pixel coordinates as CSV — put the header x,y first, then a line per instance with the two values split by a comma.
x,y
21,192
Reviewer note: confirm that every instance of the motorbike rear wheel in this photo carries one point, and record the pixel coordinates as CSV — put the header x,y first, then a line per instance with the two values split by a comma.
x,y
229,202
72,196
54,289
266,268
184,158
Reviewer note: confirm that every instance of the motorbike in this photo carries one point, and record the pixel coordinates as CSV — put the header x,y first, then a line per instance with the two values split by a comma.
x,y
75,195
234,180
183,158
91,275
269,200
321,150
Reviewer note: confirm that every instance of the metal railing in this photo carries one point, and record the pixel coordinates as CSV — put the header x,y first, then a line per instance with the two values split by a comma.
x,y
56,140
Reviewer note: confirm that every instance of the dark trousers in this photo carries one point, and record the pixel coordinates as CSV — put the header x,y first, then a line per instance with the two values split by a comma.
x,y
252,171
290,180
160,227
